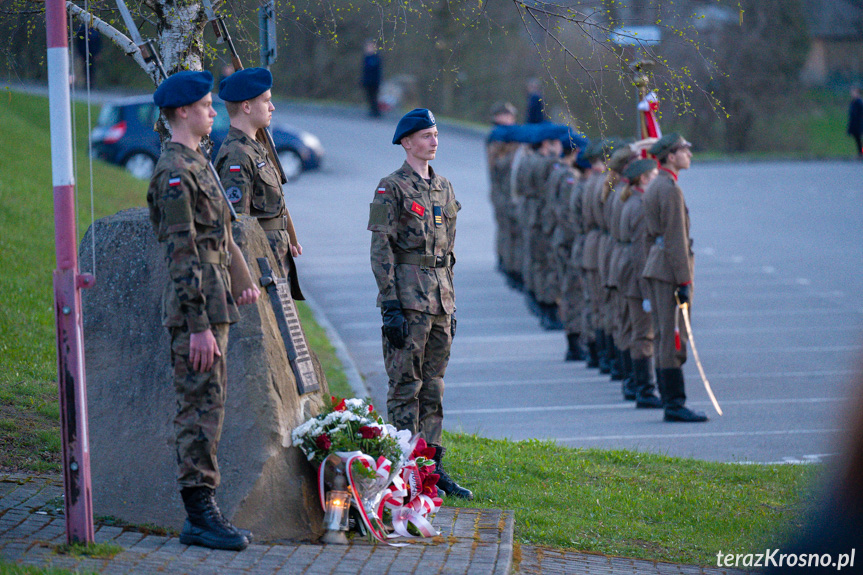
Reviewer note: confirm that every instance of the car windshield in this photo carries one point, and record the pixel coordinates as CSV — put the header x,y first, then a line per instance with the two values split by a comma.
x,y
109,116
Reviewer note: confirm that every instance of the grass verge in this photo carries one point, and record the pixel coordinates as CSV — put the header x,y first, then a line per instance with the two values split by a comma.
x,y
628,503
94,550
9,568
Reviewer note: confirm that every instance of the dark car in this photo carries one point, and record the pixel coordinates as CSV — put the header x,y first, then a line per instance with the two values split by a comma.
x,y
124,136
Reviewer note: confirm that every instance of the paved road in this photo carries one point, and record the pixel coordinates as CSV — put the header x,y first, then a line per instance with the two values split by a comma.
x,y
777,314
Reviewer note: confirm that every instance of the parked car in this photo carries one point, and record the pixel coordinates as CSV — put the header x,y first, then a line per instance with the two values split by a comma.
x,y
124,135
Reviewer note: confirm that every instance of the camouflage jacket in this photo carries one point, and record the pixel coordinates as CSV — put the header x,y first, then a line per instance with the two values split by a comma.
x,y
250,180
191,217
409,218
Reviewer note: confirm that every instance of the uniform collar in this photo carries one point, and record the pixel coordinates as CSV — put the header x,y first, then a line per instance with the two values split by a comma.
x,y
184,150
419,181
669,172
244,138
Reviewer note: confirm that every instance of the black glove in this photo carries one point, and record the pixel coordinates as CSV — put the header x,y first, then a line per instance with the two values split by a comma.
x,y
395,326
682,293
452,324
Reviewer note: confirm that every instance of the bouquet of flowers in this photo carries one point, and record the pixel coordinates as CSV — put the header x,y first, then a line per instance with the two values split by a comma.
x,y
390,475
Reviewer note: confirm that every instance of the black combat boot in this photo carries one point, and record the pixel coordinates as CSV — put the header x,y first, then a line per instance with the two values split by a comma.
x,y
205,525
602,348
550,319
628,384
592,355
446,483
615,360
674,398
574,351
645,389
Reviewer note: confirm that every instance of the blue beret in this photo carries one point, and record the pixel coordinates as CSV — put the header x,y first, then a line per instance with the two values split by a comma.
x,y
245,84
414,121
182,89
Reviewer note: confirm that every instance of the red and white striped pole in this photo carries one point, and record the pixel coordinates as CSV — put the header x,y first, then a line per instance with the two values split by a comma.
x,y
67,285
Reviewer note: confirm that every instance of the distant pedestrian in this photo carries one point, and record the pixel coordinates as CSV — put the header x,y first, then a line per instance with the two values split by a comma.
x,y
855,120
372,76
88,45
535,102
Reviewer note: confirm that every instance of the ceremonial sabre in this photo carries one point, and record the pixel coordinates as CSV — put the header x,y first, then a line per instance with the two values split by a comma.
x,y
684,308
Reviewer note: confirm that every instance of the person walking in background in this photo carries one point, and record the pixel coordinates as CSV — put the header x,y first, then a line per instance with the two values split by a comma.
x,y
535,102
372,76
855,120
88,45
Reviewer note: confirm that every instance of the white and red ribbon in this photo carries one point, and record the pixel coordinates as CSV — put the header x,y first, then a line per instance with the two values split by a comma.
x,y
649,107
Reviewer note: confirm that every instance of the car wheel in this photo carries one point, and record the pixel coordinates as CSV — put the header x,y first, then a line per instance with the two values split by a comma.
x,y
141,165
292,164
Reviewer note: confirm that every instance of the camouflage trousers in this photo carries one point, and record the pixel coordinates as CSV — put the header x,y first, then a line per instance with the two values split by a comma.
x,y
200,409
415,394
664,309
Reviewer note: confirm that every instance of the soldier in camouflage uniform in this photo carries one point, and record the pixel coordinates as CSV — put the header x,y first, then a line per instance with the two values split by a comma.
x,y
499,156
413,219
191,217
249,177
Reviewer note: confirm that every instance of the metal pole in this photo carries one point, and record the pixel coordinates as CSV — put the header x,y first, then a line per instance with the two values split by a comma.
x,y
67,285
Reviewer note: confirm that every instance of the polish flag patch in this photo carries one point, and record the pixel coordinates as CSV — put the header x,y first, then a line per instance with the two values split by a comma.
x,y
174,181
418,209
382,190
234,168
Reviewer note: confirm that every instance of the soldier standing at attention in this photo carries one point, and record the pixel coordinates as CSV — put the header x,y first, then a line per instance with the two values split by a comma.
x,y
669,271
250,179
412,219
191,217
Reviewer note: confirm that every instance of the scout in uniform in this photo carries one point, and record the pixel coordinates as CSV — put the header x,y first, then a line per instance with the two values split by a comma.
x,y
669,271
499,156
632,287
596,155
192,219
413,219
251,181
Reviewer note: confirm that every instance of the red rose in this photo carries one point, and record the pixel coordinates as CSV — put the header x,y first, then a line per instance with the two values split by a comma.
x,y
371,408
370,432
323,441
341,406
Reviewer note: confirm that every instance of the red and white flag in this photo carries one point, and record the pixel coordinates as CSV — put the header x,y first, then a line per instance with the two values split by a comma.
x,y
648,109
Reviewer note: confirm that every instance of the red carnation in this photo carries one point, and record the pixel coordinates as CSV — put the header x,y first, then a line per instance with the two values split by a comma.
x,y
323,441
370,432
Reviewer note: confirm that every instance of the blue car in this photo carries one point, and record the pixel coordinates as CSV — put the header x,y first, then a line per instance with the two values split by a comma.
x,y
124,135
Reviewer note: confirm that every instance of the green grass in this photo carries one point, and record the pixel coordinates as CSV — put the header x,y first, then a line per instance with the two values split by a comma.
x,y
94,550
317,337
29,410
9,568
628,503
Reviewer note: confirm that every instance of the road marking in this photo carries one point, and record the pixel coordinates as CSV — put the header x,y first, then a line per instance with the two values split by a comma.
x,y
589,377
697,434
629,406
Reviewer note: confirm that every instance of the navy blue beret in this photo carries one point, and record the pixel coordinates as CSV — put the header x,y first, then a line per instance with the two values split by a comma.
x,y
414,121
245,84
182,89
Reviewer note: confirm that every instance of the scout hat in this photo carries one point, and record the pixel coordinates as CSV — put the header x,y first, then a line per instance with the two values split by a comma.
x,y
620,158
668,144
637,168
414,121
245,84
182,89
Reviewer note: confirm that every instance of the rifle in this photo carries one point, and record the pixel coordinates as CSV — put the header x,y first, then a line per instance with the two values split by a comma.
x,y
241,278
263,135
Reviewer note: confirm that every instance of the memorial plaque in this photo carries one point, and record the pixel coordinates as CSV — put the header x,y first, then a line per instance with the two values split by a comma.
x,y
279,290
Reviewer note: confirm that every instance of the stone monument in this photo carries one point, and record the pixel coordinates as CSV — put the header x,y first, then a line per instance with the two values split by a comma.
x,y
267,484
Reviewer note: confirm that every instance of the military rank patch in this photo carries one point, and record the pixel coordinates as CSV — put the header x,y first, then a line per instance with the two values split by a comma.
x,y
261,164
418,209
382,190
174,181
234,194
438,216
234,168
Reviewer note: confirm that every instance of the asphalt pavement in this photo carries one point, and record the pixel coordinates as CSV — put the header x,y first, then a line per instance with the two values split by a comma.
x,y
777,304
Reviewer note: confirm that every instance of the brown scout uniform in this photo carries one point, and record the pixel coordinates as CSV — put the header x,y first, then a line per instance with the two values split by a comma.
x,y
670,263
574,302
621,326
253,186
631,285
191,218
413,224
590,261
